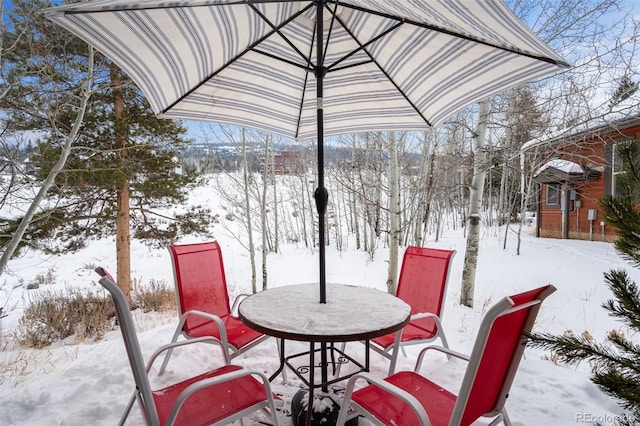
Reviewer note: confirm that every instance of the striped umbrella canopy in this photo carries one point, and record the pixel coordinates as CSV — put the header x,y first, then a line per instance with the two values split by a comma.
x,y
313,68
385,65
310,68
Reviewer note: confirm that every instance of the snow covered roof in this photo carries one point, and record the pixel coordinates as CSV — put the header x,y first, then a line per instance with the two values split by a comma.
x,y
561,165
603,125
560,170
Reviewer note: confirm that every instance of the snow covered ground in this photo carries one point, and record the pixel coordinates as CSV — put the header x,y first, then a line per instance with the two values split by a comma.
x,y
86,383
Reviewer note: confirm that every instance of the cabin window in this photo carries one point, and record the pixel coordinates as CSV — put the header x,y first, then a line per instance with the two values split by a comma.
x,y
553,195
617,169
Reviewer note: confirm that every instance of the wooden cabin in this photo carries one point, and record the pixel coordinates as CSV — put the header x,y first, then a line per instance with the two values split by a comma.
x,y
579,167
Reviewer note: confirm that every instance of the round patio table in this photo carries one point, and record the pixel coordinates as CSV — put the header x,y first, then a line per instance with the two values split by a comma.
x,y
352,313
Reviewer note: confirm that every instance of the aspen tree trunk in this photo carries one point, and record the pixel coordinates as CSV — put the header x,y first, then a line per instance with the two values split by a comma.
x,y
365,230
354,216
245,181
475,203
502,197
303,209
263,212
490,200
430,186
375,204
328,214
401,210
276,235
12,245
378,188
312,216
503,218
394,215
526,186
420,203
123,231
459,211
352,195
337,201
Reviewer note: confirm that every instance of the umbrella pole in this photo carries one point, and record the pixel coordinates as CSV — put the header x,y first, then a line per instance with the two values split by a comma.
x,y
321,196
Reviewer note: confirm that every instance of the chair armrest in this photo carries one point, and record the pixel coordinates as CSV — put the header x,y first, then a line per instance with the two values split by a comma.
x,y
173,345
214,318
439,349
425,315
403,395
421,315
239,298
202,384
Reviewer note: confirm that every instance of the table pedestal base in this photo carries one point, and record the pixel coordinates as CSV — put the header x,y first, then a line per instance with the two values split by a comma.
x,y
326,399
326,407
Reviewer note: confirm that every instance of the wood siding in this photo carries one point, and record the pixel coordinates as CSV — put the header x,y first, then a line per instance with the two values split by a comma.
x,y
595,153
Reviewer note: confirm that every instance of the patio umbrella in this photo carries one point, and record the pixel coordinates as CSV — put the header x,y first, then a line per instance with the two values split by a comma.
x,y
313,68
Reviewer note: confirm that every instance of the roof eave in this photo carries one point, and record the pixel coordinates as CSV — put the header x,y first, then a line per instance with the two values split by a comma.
x,y
600,130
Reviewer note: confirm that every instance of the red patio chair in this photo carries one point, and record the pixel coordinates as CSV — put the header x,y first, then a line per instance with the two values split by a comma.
x,y
423,286
203,300
408,398
218,396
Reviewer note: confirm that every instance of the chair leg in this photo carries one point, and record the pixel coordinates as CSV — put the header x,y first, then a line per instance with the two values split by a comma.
x,y
445,344
346,402
440,333
127,410
505,417
170,351
271,405
394,356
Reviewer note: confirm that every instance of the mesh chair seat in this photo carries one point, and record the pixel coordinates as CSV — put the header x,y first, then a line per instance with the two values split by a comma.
x,y
437,401
411,332
238,334
245,392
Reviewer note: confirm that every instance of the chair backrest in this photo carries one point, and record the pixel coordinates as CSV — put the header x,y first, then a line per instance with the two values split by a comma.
x,y
496,355
136,361
423,282
200,281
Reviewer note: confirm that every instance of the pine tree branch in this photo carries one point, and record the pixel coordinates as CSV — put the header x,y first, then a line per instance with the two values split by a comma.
x,y
571,349
620,385
626,305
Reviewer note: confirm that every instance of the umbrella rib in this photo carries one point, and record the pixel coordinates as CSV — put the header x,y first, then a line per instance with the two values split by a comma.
x,y
304,86
333,19
235,58
357,64
383,71
277,30
128,8
286,61
362,46
456,34
304,92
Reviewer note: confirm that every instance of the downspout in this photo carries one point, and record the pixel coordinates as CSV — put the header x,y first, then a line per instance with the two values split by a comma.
x,y
565,210
538,210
